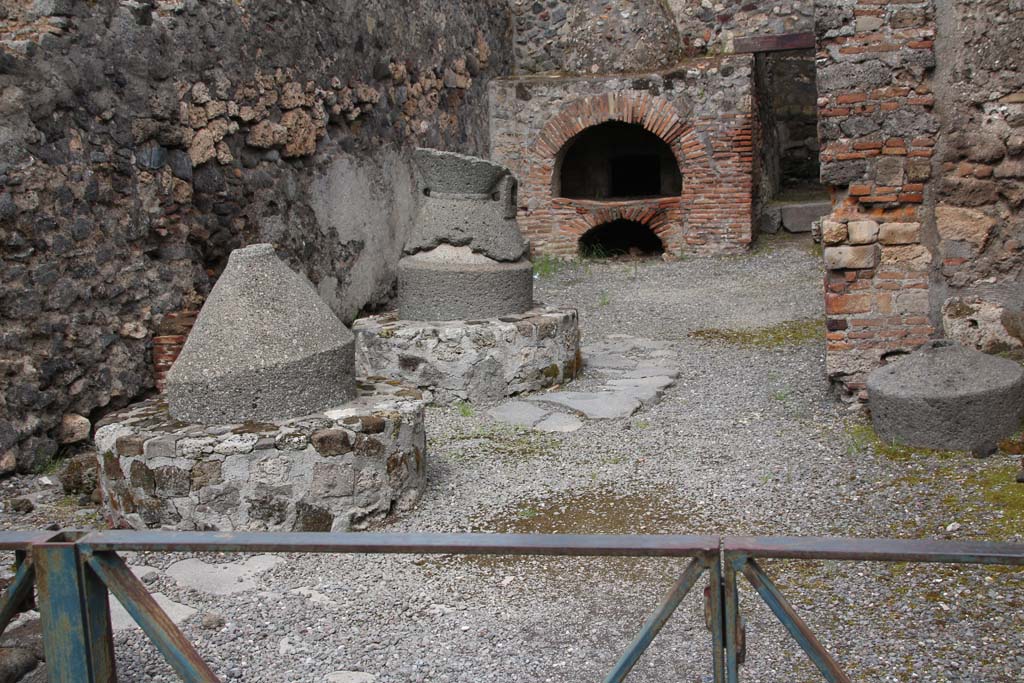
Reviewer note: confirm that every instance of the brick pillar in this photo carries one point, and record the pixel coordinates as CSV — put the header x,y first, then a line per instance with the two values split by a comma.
x,y
168,342
877,129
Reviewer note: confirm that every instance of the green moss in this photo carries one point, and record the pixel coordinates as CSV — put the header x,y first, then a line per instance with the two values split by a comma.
x,y
862,437
998,487
465,409
789,333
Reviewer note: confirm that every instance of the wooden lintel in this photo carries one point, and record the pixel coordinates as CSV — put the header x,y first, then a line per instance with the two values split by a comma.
x,y
783,41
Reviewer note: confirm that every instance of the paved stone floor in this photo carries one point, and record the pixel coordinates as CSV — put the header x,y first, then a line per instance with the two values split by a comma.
x,y
712,415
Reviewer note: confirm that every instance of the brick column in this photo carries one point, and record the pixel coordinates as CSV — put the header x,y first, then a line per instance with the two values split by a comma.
x,y
877,129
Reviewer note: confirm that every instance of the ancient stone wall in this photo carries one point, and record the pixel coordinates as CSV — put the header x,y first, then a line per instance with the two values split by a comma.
x,y
978,284
141,142
703,111
713,26
594,36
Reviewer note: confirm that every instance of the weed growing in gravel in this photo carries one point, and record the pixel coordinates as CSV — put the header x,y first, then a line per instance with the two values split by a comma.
x,y
593,251
789,333
604,299
465,409
502,441
547,265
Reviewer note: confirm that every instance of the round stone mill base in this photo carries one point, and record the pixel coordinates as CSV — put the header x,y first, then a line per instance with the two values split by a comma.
x,y
471,360
947,396
343,469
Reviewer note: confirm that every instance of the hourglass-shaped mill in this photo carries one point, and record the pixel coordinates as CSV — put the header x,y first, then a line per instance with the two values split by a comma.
x,y
466,258
466,326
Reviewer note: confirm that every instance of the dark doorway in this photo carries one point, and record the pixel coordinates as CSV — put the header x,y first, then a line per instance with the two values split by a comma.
x,y
619,238
617,160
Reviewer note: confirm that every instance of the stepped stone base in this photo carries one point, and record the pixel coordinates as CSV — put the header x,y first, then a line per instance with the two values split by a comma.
x,y
343,469
475,360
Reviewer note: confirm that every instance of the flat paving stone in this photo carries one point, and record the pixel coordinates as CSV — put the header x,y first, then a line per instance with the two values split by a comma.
x,y
519,413
649,371
221,579
597,405
559,422
610,361
350,677
120,620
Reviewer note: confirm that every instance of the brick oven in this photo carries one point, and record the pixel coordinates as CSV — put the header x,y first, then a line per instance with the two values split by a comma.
x,y
653,162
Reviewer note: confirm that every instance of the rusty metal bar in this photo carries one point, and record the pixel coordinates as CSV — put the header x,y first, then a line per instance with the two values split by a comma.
x,y
716,599
796,626
732,620
603,545
656,621
65,633
99,629
167,637
17,593
876,549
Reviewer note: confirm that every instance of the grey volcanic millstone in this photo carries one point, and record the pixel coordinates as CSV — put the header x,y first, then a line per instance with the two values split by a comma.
x,y
452,283
946,396
466,201
264,347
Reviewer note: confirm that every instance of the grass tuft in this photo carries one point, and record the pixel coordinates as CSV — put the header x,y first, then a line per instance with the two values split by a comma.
x,y
789,333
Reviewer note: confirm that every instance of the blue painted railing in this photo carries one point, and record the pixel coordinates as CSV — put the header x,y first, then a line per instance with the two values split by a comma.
x,y
73,571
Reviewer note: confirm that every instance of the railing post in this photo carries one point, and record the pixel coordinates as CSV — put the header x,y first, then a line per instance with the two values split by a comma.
x,y
733,563
716,618
73,607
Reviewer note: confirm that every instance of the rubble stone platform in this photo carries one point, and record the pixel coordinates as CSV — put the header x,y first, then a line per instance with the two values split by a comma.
x,y
480,361
342,469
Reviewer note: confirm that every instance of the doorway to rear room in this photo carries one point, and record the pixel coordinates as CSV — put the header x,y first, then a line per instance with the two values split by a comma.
x,y
620,238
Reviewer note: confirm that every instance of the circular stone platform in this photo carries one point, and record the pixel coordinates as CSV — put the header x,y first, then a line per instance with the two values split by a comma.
x,y
947,396
339,470
474,360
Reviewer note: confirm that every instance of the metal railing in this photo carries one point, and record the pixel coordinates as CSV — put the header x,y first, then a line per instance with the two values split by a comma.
x,y
73,572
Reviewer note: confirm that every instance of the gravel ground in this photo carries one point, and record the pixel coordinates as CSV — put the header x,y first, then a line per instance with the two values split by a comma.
x,y
749,441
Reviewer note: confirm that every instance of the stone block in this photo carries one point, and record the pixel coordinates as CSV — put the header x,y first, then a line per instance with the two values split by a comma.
x,y
962,224
798,216
911,302
986,325
899,233
833,232
851,257
889,171
862,232
911,257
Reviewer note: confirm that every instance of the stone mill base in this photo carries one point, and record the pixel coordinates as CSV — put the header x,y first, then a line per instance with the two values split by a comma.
x,y
343,469
471,360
